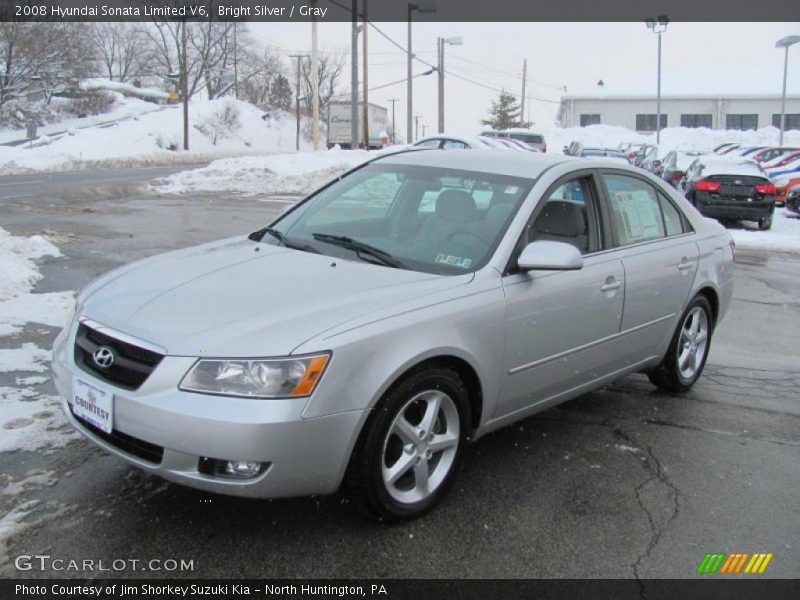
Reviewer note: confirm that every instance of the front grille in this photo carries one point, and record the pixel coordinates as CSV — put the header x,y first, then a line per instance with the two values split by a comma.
x,y
131,367
212,466
127,443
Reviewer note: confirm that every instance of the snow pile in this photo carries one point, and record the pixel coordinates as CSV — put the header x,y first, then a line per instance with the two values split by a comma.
x,y
672,138
31,421
98,83
17,304
783,236
156,137
297,173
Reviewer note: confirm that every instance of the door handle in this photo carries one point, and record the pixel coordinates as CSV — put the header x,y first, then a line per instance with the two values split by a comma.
x,y
611,285
684,265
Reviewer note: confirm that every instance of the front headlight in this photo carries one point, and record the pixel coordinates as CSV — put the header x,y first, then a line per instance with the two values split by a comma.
x,y
291,377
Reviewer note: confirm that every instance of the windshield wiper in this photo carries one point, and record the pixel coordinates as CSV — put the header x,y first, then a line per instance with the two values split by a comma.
x,y
257,236
360,248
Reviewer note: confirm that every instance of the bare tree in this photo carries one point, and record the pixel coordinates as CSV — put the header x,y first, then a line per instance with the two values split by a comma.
x,y
118,48
330,65
42,56
258,71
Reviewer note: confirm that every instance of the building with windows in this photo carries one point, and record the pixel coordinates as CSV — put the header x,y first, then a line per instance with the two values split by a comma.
x,y
638,112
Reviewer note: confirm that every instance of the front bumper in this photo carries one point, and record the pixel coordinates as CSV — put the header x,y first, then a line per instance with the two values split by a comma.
x,y
305,455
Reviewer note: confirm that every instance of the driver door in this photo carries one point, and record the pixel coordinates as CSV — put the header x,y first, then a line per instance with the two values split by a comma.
x,y
558,323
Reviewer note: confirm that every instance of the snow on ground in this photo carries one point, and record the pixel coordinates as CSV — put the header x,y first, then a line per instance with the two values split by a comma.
x,y
783,236
28,357
20,273
147,139
296,173
122,108
31,421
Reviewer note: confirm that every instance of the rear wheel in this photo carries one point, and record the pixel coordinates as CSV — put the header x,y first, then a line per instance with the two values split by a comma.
x,y
411,446
765,223
688,350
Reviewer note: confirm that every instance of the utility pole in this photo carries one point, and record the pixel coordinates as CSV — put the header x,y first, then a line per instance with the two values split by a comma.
x,y
409,80
440,69
522,101
235,64
423,130
366,91
416,129
354,79
394,135
297,99
184,87
314,83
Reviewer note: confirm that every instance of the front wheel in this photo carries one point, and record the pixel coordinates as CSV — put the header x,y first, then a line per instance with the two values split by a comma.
x,y
688,350
412,445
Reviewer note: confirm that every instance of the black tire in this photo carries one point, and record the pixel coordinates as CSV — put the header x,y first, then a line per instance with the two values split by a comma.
x,y
765,223
365,479
667,376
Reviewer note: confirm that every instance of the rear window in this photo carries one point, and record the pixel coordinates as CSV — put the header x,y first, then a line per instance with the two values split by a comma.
x,y
528,138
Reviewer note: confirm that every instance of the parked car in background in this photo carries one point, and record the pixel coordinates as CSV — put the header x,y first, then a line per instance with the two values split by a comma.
x,y
674,165
532,138
728,149
781,161
767,154
609,153
633,151
793,199
788,170
722,147
405,316
730,190
450,142
645,156
783,186
746,151
515,144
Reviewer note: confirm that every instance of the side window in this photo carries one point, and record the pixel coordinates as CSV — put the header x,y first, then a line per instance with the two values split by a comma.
x,y
428,144
635,210
568,216
673,223
454,145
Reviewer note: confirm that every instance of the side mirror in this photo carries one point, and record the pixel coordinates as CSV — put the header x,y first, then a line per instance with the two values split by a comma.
x,y
546,255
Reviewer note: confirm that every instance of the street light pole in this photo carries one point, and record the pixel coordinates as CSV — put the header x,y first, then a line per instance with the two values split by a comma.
x,y
354,79
184,87
440,42
394,135
658,25
422,6
785,43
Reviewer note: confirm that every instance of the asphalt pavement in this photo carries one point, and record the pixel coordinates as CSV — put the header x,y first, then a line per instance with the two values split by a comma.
x,y
623,482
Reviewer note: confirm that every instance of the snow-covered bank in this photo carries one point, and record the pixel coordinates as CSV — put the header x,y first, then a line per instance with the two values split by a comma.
x,y
297,173
784,236
222,127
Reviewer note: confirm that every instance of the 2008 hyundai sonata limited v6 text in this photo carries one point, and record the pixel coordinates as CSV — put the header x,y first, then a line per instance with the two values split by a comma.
x,y
410,306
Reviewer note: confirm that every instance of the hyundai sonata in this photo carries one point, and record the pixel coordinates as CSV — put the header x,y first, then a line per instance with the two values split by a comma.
x,y
410,306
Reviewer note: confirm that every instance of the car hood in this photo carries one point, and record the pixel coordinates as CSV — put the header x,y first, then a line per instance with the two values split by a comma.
x,y
242,298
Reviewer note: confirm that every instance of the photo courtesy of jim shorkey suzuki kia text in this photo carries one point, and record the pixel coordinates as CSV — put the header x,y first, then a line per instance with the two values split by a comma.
x,y
428,299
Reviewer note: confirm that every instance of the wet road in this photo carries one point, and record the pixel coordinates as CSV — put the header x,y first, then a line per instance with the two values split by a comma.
x,y
622,482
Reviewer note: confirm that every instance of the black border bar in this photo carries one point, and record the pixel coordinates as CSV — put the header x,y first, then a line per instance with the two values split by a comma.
x,y
397,10
703,588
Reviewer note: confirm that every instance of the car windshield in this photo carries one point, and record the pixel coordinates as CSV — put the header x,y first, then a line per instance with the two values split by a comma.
x,y
426,219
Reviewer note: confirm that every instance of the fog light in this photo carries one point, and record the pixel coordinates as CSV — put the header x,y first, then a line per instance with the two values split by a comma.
x,y
243,468
234,469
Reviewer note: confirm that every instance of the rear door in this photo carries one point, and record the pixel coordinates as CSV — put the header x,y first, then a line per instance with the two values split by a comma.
x,y
659,256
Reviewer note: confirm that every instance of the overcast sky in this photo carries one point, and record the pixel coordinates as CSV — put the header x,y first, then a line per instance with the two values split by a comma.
x,y
697,57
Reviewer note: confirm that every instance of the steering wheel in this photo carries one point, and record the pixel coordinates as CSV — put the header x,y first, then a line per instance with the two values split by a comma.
x,y
467,233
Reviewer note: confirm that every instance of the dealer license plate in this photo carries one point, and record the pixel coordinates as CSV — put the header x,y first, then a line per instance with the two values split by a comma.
x,y
93,404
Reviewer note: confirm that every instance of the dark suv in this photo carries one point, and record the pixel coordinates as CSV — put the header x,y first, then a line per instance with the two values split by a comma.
x,y
730,190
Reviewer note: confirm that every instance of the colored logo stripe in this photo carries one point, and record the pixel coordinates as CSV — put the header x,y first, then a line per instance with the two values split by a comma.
x,y
733,563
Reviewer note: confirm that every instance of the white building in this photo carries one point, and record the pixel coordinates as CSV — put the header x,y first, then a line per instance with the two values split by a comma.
x,y
638,112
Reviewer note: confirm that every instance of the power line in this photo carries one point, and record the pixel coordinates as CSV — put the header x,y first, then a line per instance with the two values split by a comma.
x,y
499,90
556,86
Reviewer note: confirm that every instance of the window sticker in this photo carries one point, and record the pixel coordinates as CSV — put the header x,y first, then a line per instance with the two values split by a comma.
x,y
455,261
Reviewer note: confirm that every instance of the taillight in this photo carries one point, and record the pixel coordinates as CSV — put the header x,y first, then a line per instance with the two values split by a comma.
x,y
704,185
765,188
676,176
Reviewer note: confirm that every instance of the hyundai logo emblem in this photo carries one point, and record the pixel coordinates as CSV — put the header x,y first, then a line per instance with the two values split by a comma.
x,y
103,357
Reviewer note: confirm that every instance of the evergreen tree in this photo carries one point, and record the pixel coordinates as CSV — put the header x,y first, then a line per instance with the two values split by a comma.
x,y
504,112
281,95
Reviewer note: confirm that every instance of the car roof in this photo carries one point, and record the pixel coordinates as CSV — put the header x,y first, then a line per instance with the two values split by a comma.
x,y
514,164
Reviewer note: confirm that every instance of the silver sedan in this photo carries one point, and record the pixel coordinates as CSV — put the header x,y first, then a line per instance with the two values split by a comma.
x,y
411,306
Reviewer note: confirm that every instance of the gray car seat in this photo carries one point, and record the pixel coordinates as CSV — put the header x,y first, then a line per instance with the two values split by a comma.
x,y
562,221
